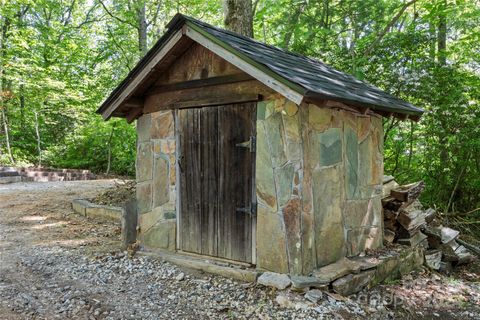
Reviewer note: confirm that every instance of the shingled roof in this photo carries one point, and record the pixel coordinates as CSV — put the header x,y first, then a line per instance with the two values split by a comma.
x,y
308,77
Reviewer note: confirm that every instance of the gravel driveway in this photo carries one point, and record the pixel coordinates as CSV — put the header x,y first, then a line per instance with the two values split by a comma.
x,y
57,265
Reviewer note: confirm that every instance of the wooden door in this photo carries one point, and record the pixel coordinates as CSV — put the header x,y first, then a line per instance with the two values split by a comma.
x,y
216,167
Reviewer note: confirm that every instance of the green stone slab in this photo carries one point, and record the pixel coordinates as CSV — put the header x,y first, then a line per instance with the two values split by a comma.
x,y
330,147
284,183
161,179
275,134
144,197
261,110
365,155
327,204
161,235
265,183
143,128
351,176
271,242
144,161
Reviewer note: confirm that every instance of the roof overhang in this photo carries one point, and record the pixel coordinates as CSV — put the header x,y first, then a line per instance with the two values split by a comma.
x,y
127,99
122,95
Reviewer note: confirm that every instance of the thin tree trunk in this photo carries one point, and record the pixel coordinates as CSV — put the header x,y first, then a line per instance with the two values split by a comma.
x,y
109,147
238,16
293,20
442,61
142,28
37,131
6,130
442,33
457,183
387,28
22,106
3,36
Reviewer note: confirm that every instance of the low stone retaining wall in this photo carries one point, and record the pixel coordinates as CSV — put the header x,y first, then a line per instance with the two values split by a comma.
x,y
48,174
9,175
92,210
10,179
13,174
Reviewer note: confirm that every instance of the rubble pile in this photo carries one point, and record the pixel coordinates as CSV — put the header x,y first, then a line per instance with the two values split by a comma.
x,y
120,193
407,223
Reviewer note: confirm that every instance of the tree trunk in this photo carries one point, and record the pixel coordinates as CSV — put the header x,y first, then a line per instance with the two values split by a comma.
x,y
293,21
239,16
5,129
142,28
39,147
109,147
3,35
22,106
442,33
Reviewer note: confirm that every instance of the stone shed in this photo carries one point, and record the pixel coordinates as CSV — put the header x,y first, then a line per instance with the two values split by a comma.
x,y
248,153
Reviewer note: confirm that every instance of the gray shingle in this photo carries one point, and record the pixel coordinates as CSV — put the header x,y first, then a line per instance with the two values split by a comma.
x,y
315,78
312,75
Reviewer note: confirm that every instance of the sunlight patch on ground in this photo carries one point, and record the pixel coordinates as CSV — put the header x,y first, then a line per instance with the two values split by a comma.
x,y
71,243
50,225
33,218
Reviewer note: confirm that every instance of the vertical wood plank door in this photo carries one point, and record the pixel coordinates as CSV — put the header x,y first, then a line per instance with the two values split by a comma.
x,y
216,166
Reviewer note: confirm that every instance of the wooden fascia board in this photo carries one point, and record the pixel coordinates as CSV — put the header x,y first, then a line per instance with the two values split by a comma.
x,y
402,114
289,90
128,91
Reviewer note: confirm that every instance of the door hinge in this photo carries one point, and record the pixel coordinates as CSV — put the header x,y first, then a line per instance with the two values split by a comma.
x,y
249,144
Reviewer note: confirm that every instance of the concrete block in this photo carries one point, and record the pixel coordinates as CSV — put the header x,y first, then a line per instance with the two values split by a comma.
x,y
79,206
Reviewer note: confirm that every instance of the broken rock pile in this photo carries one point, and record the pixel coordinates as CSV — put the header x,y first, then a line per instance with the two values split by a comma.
x,y
407,223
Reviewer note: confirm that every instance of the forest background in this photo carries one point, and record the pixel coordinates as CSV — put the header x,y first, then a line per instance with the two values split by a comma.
x,y
60,58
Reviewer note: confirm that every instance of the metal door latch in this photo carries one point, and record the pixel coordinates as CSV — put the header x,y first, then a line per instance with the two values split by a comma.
x,y
249,144
252,210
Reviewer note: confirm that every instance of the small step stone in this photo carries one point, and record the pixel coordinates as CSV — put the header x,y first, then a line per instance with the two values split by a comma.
x,y
301,283
314,295
275,280
353,283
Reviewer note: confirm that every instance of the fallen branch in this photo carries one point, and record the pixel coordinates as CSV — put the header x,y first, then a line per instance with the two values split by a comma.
x,y
455,214
469,246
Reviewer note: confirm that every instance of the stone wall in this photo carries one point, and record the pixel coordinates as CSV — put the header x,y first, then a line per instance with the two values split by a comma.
x,y
318,175
318,184
155,169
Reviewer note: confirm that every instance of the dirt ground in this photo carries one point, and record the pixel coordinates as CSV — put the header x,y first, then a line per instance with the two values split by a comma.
x,y
57,265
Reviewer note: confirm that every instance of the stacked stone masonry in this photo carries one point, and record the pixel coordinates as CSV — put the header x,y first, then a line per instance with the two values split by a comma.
x,y
318,184
156,180
319,176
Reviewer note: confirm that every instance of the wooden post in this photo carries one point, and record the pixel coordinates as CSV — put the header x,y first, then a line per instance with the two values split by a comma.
x,y
129,223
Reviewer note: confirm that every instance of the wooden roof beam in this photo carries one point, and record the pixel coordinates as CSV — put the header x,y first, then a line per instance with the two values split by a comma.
x,y
133,114
133,103
199,83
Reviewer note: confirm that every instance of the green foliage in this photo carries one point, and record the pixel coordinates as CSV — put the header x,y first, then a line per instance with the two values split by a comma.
x,y
60,59
393,44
